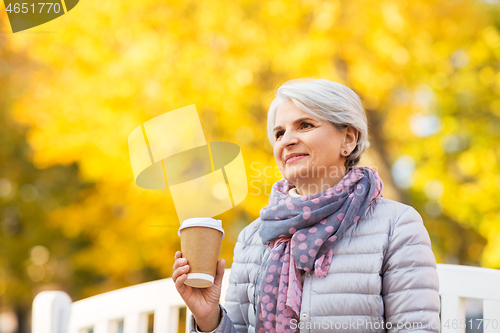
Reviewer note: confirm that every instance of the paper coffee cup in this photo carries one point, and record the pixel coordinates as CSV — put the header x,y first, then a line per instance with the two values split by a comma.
x,y
200,245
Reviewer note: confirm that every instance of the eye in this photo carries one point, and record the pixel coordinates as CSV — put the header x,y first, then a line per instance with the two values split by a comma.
x,y
278,134
304,124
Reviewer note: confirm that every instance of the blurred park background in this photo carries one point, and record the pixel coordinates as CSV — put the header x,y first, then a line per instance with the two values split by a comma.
x,y
72,90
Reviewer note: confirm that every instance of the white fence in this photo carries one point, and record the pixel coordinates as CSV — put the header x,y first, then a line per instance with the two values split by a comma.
x,y
155,307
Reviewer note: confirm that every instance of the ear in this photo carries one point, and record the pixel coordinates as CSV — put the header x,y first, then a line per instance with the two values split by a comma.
x,y
350,139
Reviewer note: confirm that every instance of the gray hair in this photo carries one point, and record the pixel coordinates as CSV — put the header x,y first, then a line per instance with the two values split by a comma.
x,y
326,100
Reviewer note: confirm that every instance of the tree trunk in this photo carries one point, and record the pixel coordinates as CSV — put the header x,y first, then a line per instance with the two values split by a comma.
x,y
22,315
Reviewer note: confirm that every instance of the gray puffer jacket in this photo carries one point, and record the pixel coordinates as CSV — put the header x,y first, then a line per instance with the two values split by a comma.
x,y
382,278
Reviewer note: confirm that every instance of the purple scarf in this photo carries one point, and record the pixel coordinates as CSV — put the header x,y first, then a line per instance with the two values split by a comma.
x,y
300,233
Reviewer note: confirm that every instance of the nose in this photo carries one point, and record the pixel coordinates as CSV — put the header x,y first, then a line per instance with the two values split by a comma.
x,y
288,139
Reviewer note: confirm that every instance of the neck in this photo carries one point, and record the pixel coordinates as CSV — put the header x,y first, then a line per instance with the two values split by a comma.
x,y
308,186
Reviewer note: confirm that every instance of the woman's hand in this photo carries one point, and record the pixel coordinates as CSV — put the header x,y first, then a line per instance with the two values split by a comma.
x,y
202,302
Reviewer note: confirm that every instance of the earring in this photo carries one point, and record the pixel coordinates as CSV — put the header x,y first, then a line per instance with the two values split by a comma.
x,y
345,152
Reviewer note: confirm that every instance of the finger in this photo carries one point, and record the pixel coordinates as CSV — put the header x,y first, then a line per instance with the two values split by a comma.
x,y
177,255
220,272
179,284
179,263
180,271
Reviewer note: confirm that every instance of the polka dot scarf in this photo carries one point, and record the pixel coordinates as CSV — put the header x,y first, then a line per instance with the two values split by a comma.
x,y
300,233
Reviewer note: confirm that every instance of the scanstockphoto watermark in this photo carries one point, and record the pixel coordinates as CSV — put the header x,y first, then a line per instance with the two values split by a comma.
x,y
360,324
262,177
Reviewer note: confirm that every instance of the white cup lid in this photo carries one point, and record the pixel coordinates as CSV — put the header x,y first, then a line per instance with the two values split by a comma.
x,y
207,222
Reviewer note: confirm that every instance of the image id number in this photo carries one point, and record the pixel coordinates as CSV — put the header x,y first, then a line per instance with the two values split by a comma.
x,y
41,7
472,324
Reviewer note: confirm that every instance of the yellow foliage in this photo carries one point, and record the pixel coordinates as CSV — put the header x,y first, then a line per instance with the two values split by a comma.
x,y
110,66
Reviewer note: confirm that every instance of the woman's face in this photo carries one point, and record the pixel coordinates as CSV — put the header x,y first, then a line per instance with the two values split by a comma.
x,y
317,141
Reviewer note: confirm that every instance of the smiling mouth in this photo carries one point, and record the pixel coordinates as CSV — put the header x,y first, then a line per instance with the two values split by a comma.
x,y
295,158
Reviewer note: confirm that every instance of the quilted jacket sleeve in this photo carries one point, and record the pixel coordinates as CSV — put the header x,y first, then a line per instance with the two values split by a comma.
x,y
410,281
232,302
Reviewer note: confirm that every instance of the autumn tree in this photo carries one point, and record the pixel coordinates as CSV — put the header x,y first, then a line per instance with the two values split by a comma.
x,y
425,70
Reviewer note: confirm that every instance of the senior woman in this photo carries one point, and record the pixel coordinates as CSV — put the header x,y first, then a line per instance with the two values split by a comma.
x,y
328,253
